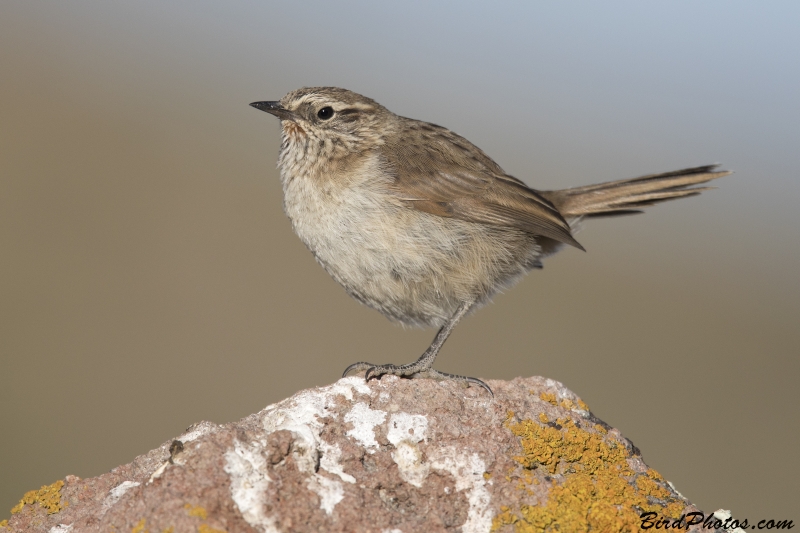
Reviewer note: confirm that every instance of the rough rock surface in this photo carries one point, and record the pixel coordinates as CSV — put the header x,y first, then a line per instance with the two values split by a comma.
x,y
390,456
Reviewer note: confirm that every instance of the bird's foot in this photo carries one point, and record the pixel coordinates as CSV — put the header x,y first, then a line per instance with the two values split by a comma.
x,y
412,371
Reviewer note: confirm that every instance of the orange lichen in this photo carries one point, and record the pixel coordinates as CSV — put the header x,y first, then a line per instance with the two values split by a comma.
x,y
48,497
596,488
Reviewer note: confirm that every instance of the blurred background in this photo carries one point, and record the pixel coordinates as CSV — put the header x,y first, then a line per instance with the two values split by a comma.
x,y
149,278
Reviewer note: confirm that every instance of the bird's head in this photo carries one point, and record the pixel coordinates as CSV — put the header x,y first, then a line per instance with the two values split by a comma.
x,y
334,119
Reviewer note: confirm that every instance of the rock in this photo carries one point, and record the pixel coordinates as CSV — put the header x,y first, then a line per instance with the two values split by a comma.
x,y
392,455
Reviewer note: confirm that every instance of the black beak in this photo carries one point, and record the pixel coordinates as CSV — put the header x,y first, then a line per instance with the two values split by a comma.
x,y
274,108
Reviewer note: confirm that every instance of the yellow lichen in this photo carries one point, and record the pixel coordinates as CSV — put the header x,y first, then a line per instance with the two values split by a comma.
x,y
582,405
48,497
202,514
543,418
566,403
205,528
140,527
3,523
198,511
170,529
598,490
548,397
505,518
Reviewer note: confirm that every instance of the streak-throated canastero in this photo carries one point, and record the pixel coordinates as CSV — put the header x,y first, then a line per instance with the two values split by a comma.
x,y
417,222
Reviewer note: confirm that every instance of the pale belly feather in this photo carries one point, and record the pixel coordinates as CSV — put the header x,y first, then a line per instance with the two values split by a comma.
x,y
414,267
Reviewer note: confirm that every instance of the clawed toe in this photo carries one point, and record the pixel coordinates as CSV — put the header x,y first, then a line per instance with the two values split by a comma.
x,y
407,371
381,370
357,367
373,370
376,371
480,383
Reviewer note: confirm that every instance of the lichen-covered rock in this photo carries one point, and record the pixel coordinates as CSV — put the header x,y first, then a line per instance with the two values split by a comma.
x,y
389,456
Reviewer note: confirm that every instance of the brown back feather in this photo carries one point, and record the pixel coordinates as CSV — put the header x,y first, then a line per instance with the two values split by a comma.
x,y
439,172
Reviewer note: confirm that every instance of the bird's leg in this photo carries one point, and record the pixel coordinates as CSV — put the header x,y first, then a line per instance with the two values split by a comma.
x,y
421,368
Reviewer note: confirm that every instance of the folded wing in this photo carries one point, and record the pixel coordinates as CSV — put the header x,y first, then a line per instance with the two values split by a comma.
x,y
445,175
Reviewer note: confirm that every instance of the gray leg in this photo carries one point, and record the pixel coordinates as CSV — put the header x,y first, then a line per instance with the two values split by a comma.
x,y
421,368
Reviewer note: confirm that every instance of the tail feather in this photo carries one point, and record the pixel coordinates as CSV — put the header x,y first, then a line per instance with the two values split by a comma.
x,y
625,197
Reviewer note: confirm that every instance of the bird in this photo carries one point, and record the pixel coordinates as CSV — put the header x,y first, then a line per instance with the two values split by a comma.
x,y
420,224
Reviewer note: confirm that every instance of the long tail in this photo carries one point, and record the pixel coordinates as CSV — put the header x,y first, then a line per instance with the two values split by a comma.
x,y
625,197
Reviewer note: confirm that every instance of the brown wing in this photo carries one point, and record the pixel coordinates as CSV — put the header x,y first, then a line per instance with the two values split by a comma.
x,y
439,172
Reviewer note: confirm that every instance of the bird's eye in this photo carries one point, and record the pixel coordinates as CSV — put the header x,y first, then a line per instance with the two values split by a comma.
x,y
325,113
